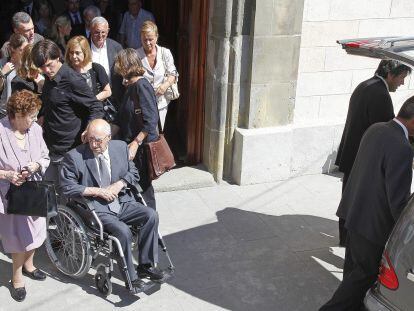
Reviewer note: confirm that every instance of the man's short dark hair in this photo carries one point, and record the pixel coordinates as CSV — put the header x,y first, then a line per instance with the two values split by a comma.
x,y
407,110
43,51
394,67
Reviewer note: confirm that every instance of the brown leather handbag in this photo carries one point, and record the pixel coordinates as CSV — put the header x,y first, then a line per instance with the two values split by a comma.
x,y
160,157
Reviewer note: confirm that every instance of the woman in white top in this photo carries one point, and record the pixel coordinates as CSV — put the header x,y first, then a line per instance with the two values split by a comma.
x,y
158,63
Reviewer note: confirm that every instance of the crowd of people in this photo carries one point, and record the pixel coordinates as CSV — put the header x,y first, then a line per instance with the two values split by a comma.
x,y
62,77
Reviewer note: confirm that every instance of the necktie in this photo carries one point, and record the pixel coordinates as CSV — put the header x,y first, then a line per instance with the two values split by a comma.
x,y
106,181
76,17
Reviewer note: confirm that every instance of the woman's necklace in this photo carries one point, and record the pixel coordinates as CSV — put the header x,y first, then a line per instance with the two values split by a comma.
x,y
19,136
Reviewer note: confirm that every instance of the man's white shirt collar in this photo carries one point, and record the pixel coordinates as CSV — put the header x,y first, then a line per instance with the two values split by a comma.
x,y
403,127
383,80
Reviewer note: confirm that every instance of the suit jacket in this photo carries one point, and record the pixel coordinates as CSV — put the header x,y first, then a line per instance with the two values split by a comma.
x,y
370,103
79,170
379,184
118,90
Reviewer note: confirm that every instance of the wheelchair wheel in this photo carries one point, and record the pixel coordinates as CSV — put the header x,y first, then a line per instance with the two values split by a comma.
x,y
67,243
103,282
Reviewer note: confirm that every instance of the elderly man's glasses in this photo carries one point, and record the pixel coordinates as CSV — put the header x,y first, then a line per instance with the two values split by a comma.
x,y
97,140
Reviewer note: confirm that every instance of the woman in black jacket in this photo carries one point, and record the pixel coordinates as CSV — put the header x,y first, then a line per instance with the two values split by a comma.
x,y
137,116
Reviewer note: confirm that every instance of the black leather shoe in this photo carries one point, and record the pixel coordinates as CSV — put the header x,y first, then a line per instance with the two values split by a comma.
x,y
151,272
36,274
18,294
137,283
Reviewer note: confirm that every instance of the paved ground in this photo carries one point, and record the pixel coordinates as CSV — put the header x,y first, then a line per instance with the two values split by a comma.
x,y
261,247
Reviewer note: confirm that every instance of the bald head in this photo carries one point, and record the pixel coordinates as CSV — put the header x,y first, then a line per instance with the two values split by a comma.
x,y
99,134
99,126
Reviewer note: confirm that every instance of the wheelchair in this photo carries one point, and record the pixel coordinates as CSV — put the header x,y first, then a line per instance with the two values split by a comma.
x,y
76,239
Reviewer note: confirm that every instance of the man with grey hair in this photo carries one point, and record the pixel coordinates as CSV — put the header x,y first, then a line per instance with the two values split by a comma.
x,y
104,51
22,24
101,171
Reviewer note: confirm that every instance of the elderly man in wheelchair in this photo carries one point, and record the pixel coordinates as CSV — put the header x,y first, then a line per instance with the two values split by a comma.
x,y
102,209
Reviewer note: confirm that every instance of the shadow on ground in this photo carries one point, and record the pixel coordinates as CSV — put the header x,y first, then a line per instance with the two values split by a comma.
x,y
244,261
249,260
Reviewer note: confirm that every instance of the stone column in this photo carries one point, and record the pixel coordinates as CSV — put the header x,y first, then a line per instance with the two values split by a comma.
x,y
252,64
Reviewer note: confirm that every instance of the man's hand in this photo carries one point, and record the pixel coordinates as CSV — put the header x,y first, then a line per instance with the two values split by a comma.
x,y
115,188
105,194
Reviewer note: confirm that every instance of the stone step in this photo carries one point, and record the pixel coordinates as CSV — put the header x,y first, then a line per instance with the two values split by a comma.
x,y
183,178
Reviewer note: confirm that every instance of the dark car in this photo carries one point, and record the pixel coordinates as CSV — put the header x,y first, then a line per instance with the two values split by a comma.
x,y
394,289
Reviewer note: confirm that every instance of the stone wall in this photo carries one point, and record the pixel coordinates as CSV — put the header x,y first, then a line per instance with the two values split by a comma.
x,y
278,108
327,75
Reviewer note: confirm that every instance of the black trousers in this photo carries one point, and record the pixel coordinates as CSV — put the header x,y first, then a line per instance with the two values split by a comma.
x,y
134,213
141,162
341,222
361,267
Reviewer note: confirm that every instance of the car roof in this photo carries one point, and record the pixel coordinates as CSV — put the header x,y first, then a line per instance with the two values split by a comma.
x,y
396,47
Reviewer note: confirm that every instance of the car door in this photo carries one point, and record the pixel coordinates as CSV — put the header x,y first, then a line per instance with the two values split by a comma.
x,y
397,48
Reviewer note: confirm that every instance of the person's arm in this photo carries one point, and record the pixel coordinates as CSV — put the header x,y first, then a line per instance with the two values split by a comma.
x,y
131,178
43,161
69,185
149,108
105,93
380,108
5,70
398,177
103,80
170,71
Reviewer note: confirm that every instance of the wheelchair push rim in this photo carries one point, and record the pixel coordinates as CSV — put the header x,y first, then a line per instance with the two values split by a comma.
x,y
67,243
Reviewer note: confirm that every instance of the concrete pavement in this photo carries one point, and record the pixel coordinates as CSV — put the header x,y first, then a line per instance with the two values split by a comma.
x,y
259,247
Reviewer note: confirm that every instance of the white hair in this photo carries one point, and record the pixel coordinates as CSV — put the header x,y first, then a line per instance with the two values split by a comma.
x,y
99,20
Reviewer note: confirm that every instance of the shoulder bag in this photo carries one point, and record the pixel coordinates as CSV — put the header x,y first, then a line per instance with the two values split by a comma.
x,y
32,198
172,91
160,157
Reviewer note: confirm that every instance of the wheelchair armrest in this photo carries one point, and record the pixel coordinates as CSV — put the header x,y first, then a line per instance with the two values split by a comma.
x,y
85,202
135,188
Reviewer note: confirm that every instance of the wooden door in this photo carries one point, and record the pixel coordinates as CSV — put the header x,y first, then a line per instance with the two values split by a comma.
x,y
183,27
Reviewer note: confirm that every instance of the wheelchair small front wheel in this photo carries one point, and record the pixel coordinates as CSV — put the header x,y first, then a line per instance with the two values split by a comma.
x,y
103,282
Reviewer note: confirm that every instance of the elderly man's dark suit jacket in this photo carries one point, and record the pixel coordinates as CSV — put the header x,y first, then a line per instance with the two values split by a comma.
x,y
379,183
79,170
370,103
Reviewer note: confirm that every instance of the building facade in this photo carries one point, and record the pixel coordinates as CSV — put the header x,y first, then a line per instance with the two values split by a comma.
x,y
277,85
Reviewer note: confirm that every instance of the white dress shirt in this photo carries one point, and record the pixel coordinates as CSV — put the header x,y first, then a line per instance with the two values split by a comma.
x,y
107,161
100,56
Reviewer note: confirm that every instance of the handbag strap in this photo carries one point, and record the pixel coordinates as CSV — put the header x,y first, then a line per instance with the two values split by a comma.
x,y
135,99
163,61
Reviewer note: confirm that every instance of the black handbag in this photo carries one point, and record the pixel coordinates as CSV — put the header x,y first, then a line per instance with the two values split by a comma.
x,y
32,198
110,111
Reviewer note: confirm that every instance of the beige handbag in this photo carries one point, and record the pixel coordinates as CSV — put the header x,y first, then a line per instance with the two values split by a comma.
x,y
172,92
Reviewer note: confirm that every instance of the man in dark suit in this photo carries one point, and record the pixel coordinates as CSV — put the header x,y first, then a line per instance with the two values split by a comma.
x,y
377,192
370,103
101,171
104,51
74,14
